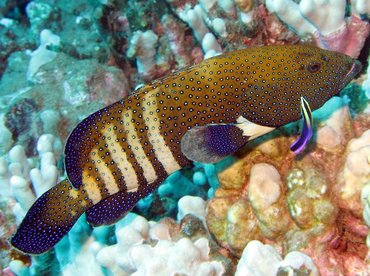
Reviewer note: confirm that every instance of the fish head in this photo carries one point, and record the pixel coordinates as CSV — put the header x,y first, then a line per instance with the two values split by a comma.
x,y
288,73
323,74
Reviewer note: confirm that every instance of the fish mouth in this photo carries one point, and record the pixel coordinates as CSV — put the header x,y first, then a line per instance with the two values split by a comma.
x,y
355,69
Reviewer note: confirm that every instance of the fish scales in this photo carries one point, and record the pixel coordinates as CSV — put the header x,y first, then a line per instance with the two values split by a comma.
x,y
123,152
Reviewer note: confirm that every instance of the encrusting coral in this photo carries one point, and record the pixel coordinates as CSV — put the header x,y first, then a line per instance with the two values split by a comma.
x,y
311,204
259,259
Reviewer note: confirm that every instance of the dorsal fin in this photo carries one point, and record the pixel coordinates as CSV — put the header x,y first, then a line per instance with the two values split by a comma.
x,y
78,146
84,138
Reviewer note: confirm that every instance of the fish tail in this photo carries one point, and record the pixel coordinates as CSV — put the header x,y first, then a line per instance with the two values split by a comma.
x,y
50,218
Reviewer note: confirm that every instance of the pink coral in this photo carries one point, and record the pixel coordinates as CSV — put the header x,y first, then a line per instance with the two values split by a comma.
x,y
180,44
268,30
349,39
345,252
326,21
103,83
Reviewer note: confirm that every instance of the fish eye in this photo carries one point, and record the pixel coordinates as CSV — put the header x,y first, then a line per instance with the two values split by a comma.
x,y
313,67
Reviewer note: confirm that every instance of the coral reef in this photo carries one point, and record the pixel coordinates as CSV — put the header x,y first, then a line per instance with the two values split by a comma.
x,y
326,22
262,211
22,179
18,173
311,203
260,259
42,55
152,248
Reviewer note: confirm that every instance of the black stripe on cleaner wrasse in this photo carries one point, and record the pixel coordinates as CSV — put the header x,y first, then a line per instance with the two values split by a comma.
x,y
203,113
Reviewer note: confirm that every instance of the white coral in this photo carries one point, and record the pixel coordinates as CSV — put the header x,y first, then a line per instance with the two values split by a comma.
x,y
172,258
356,172
191,205
133,255
331,133
46,176
20,176
6,139
42,54
366,87
310,15
259,259
195,20
210,46
143,47
264,186
361,7
365,199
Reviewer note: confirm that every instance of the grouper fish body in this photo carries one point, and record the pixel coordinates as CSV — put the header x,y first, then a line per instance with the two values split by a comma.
x,y
203,112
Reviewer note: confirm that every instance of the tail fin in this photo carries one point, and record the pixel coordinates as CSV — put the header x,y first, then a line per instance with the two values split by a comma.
x,y
50,218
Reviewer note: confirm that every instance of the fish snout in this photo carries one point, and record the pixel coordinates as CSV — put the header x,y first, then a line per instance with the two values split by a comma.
x,y
355,68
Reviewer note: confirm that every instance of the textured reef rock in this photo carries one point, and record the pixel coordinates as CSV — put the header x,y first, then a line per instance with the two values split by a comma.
x,y
261,211
260,259
310,203
73,84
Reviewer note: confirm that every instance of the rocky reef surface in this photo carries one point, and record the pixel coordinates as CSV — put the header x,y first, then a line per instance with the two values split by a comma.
x,y
263,211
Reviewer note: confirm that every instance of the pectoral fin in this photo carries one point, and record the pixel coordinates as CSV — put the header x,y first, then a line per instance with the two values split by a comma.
x,y
212,143
299,145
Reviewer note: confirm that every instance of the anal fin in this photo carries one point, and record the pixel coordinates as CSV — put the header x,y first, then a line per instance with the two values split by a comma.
x,y
115,207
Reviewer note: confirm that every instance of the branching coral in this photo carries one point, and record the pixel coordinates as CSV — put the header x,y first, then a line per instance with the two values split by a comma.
x,y
43,54
143,45
150,248
23,179
326,21
355,173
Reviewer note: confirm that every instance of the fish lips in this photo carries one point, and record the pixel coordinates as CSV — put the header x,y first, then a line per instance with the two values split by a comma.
x,y
355,69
